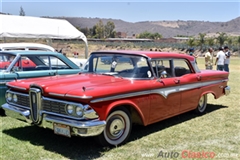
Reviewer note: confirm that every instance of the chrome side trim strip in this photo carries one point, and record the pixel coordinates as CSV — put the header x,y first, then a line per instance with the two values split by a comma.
x,y
22,94
163,91
121,96
82,97
71,96
17,87
55,94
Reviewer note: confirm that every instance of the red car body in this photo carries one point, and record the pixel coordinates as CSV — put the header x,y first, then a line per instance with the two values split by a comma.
x,y
112,100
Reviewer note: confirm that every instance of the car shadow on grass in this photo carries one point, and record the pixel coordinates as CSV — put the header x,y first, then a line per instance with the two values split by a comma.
x,y
87,148
139,131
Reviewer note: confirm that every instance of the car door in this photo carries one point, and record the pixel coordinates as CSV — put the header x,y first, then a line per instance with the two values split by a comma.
x,y
165,96
189,84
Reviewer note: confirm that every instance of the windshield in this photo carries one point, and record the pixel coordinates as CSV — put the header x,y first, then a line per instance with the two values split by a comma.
x,y
127,66
5,60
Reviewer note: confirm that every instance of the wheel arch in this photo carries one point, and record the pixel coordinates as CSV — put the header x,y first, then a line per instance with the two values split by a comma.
x,y
208,92
135,113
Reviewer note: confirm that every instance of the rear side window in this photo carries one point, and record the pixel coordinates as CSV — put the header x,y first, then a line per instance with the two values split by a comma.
x,y
181,67
53,62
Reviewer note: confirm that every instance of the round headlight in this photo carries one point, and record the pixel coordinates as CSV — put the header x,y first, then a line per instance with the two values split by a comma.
x,y
9,96
79,111
15,98
70,109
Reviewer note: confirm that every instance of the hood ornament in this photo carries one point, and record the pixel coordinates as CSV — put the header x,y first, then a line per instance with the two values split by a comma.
x,y
84,89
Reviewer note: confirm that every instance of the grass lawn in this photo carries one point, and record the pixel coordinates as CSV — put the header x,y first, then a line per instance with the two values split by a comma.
x,y
216,133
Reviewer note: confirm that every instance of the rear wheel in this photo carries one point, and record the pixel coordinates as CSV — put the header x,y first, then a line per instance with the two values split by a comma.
x,y
117,130
202,104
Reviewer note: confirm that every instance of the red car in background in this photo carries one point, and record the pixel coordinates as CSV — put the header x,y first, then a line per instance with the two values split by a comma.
x,y
105,99
6,60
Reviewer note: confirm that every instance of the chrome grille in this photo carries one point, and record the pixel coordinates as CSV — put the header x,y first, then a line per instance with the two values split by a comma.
x,y
23,100
53,106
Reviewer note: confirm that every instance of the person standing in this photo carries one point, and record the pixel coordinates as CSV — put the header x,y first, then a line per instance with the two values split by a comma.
x,y
191,53
209,59
220,59
227,60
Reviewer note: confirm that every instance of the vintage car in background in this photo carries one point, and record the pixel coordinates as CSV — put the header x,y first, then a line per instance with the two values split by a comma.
x,y
104,100
36,46
25,46
28,64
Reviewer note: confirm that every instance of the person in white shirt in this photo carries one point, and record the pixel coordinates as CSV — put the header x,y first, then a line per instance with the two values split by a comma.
x,y
209,59
220,59
227,60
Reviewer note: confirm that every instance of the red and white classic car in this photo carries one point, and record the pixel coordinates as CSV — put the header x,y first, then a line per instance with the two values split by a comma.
x,y
135,87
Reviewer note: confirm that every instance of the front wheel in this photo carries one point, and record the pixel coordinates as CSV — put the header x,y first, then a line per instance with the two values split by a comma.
x,y
202,104
117,130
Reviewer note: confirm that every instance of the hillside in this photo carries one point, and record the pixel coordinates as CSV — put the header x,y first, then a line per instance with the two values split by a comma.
x,y
166,28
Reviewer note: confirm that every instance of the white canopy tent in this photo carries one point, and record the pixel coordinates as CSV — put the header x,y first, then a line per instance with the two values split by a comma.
x,y
35,27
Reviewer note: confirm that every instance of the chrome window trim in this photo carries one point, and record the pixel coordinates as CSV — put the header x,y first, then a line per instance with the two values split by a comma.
x,y
18,56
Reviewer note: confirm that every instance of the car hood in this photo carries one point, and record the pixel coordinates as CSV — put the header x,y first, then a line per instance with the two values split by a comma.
x,y
81,85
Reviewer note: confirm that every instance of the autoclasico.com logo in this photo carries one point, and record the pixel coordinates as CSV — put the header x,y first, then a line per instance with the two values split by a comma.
x,y
190,154
187,154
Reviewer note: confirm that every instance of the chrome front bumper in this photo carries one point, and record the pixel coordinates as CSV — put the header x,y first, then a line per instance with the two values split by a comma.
x,y
227,90
79,128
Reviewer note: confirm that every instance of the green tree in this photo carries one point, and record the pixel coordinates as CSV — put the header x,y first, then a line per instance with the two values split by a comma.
x,y
109,30
22,12
157,36
222,37
85,31
229,41
191,42
210,41
238,41
201,40
92,32
100,29
149,35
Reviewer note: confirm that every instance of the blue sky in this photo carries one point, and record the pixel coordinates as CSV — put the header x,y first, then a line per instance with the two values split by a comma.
x,y
130,11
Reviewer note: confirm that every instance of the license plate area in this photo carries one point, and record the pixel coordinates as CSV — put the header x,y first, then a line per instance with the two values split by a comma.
x,y
61,129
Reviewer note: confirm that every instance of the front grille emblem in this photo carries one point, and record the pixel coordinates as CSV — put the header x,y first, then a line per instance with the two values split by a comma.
x,y
35,104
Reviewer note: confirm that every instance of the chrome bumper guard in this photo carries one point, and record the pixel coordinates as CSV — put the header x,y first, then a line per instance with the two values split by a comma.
x,y
227,90
80,128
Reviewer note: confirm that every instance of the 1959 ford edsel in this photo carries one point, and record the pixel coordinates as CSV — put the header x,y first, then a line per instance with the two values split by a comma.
x,y
107,98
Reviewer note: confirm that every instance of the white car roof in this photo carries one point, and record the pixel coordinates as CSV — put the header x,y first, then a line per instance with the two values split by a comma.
x,y
25,46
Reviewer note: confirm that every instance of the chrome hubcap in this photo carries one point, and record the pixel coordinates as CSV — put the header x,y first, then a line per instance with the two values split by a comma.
x,y
116,128
201,102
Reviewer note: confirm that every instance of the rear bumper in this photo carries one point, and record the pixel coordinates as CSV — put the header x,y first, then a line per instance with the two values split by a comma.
x,y
227,90
79,128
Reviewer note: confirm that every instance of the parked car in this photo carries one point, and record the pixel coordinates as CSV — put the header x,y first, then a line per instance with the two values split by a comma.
x,y
25,46
104,100
36,46
28,64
